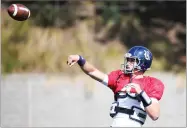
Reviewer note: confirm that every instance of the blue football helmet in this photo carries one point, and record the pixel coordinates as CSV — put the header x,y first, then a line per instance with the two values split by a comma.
x,y
142,59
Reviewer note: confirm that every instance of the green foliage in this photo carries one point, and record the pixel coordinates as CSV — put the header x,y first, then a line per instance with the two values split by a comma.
x,y
111,13
43,46
13,34
53,15
9,58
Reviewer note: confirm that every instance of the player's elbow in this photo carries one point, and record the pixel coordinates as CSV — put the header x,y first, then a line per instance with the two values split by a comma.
x,y
154,115
154,118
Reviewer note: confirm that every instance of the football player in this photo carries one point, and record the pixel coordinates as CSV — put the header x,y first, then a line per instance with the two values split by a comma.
x,y
135,95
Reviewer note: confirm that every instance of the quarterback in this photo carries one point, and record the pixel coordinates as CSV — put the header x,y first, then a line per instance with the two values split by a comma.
x,y
135,95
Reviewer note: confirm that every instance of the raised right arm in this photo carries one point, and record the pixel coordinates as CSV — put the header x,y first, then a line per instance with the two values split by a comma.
x,y
88,68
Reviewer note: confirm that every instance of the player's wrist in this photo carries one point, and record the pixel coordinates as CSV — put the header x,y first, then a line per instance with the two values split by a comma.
x,y
81,62
146,100
138,91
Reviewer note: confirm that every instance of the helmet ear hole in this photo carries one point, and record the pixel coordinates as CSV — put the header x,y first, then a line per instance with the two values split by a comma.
x,y
137,61
144,64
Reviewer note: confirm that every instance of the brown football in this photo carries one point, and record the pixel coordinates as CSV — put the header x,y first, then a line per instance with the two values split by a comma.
x,y
19,12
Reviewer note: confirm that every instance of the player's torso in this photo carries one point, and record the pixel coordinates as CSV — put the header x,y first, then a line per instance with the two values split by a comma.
x,y
129,101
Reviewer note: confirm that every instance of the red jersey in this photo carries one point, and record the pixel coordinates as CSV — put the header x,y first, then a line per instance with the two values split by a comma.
x,y
152,86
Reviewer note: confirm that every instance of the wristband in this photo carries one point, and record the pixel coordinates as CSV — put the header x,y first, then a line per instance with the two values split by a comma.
x,y
81,61
144,98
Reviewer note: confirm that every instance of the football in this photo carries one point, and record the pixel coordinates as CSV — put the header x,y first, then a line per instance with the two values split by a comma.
x,y
19,12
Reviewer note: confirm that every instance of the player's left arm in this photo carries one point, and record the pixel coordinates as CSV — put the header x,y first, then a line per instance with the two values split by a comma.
x,y
151,98
153,110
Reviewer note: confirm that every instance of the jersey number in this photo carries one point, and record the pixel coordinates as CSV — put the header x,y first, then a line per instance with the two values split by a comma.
x,y
139,115
112,109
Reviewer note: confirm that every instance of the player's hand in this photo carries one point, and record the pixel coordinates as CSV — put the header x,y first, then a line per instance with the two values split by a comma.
x,y
136,87
72,59
132,86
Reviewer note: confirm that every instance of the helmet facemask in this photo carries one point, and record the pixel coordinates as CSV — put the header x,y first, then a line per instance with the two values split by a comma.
x,y
131,64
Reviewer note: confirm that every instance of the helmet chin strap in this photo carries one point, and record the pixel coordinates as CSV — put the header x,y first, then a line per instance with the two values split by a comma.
x,y
130,78
132,71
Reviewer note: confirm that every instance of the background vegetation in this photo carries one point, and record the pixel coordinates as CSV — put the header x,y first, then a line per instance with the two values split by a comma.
x,y
102,31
